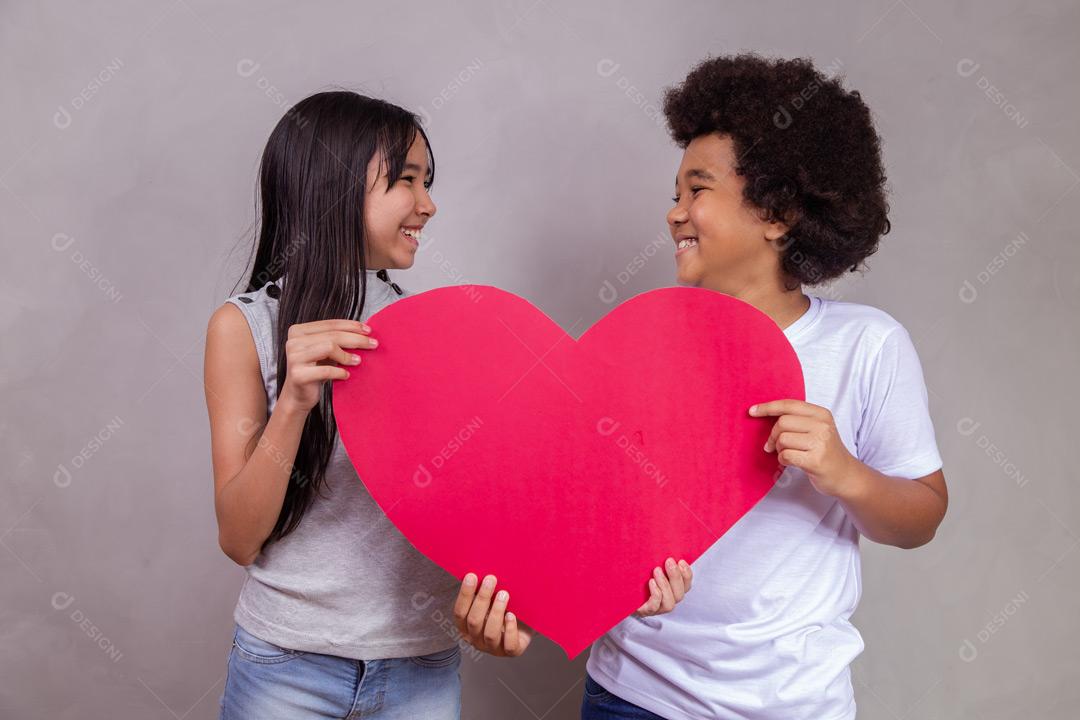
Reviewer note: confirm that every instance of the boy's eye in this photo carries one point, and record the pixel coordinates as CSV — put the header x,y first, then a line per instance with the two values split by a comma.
x,y
693,191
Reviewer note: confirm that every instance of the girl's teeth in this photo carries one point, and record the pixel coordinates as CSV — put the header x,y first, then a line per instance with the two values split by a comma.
x,y
686,243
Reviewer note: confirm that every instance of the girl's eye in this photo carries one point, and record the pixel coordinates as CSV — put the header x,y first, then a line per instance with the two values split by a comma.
x,y
695,190
675,199
410,178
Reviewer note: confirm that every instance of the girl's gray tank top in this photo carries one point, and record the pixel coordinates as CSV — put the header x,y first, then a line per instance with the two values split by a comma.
x,y
346,582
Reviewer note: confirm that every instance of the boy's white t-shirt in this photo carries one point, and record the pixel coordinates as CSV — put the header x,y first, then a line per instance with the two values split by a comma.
x,y
765,632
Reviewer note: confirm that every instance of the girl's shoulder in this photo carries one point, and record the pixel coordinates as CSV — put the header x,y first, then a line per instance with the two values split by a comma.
x,y
259,308
268,294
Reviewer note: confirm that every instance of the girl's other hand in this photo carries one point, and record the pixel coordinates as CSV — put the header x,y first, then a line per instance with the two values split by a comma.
x,y
484,622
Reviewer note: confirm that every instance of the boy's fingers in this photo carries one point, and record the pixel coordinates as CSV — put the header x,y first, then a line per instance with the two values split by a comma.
x,y
785,407
688,573
650,606
667,601
794,441
647,606
464,599
493,628
787,423
478,612
675,579
794,458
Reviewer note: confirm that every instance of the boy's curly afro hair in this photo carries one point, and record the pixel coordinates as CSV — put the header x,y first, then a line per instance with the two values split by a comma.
x,y
806,148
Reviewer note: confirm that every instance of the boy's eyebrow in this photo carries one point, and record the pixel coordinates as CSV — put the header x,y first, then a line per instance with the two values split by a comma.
x,y
412,166
700,174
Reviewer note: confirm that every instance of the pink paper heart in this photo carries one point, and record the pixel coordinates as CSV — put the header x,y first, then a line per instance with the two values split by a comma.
x,y
569,469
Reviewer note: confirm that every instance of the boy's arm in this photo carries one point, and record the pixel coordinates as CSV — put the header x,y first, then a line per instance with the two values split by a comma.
x,y
890,510
895,511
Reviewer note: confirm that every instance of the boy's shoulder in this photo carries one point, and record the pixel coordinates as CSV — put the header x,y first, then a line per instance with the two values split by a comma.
x,y
866,324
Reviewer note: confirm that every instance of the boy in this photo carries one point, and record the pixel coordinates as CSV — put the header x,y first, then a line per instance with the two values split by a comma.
x,y
781,184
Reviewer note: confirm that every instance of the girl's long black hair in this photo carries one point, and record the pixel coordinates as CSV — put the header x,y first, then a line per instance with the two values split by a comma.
x,y
311,198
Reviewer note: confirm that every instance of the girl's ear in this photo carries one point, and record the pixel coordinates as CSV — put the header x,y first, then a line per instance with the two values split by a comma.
x,y
377,170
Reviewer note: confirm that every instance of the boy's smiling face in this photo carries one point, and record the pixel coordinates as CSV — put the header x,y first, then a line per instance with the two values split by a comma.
x,y
726,245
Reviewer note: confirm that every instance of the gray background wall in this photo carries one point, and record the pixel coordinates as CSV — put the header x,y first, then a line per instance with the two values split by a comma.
x,y
127,165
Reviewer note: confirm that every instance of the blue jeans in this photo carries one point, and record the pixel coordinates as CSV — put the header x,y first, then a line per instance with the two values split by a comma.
x,y
598,704
267,682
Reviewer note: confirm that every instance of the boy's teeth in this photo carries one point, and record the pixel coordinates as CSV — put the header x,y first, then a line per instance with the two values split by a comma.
x,y
415,234
686,243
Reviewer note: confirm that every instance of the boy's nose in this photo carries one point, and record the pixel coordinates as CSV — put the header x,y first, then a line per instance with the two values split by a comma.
x,y
676,216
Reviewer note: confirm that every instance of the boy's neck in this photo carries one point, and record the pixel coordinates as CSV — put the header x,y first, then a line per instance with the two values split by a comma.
x,y
782,305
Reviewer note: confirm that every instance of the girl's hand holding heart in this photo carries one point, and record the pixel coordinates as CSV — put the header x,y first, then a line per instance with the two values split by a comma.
x,y
315,352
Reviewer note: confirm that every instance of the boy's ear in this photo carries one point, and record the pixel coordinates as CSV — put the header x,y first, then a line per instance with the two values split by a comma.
x,y
776,229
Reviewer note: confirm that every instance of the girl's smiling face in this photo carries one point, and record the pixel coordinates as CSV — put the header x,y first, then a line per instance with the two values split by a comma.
x,y
721,242
394,216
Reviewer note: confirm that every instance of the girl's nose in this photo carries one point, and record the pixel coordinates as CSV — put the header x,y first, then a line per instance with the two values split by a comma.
x,y
425,206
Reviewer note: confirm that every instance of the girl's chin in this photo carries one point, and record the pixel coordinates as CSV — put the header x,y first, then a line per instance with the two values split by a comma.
x,y
399,258
400,262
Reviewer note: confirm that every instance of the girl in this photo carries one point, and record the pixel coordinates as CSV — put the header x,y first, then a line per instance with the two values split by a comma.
x,y
338,615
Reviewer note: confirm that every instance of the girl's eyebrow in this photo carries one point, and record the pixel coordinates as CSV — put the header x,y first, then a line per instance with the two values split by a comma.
x,y
413,166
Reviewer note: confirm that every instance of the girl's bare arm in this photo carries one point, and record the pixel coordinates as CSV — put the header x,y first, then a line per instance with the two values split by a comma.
x,y
252,457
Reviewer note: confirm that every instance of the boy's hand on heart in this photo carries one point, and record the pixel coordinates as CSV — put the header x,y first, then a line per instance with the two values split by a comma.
x,y
805,436
667,587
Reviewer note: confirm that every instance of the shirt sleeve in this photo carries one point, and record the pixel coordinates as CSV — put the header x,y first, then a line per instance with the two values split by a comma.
x,y
896,435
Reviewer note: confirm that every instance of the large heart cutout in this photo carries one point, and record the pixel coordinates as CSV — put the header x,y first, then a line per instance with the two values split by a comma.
x,y
569,469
